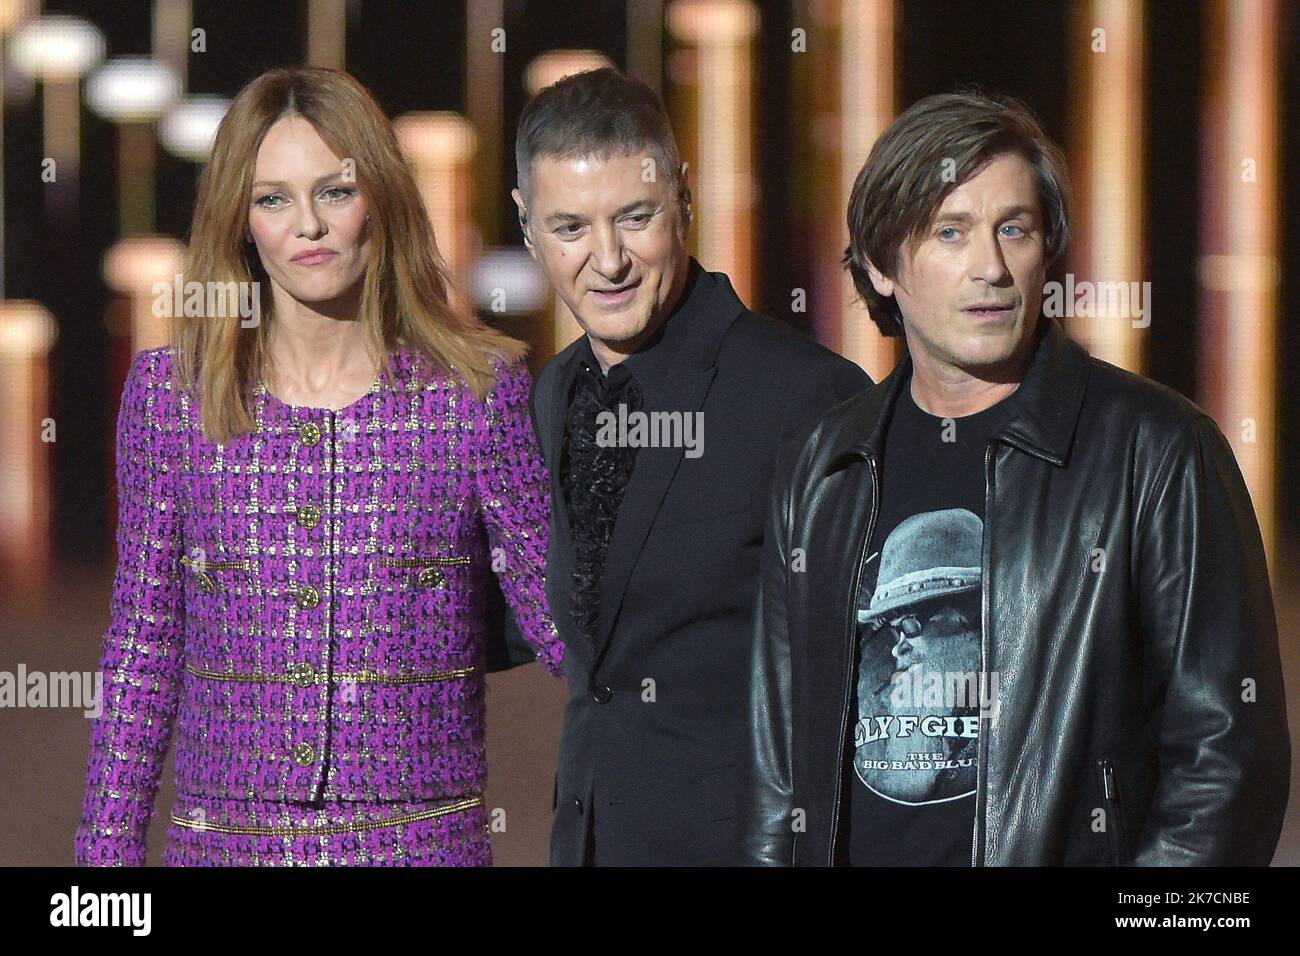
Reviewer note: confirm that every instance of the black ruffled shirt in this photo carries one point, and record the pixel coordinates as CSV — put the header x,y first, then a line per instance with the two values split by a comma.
x,y
594,478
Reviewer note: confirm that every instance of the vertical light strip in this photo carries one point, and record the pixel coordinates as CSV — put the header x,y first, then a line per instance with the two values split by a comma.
x,y
59,51
172,21
722,32
3,94
12,15
440,146
867,107
1108,135
1239,246
484,85
62,120
546,69
27,332
136,164
645,42
327,33
134,92
133,266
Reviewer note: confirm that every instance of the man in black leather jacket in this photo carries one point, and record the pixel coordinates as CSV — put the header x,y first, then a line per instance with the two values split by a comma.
x,y
1124,611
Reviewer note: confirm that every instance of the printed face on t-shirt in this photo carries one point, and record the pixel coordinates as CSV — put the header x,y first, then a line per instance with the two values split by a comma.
x,y
938,642
919,702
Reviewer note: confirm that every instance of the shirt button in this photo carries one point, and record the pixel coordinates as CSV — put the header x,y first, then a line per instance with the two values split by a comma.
x,y
309,433
308,516
432,578
303,755
308,596
602,694
577,804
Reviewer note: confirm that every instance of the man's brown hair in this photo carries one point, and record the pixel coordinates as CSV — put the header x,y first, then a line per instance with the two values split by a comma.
x,y
933,147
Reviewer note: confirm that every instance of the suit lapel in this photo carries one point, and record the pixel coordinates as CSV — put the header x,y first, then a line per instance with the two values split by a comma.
x,y
645,492
684,389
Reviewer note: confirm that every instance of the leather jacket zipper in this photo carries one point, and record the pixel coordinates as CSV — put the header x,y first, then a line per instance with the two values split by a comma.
x,y
983,747
850,632
1114,818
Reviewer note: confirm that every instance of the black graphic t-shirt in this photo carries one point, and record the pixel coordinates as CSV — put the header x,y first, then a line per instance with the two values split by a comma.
x,y
914,740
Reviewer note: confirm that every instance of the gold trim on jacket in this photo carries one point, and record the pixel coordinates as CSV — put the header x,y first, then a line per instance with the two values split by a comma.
x,y
329,829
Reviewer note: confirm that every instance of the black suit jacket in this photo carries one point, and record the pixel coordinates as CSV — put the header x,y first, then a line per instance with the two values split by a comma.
x,y
654,733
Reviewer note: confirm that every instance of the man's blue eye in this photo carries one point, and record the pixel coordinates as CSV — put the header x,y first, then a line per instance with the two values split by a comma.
x,y
946,229
1018,230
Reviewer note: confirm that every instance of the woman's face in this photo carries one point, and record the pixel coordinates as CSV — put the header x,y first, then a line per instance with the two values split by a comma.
x,y
307,215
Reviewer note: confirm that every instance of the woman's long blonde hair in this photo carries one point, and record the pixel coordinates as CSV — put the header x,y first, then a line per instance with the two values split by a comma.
x,y
404,299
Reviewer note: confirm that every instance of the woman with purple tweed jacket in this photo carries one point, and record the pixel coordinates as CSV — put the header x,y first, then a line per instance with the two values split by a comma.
x,y
311,504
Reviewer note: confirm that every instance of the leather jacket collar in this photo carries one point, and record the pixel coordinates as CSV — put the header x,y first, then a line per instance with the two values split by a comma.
x,y
1042,421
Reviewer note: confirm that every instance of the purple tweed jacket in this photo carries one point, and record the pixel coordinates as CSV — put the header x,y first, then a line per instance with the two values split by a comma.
x,y
304,604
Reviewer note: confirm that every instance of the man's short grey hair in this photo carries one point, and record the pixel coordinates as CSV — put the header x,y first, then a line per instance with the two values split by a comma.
x,y
600,113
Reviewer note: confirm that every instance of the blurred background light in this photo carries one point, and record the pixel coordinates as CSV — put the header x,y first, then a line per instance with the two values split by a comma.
x,y
508,281
57,48
555,65
189,128
132,89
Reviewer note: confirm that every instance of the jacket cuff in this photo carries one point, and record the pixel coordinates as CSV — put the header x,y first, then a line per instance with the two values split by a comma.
x,y
105,846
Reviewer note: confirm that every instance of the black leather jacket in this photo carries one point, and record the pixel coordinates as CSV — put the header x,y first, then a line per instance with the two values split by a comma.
x,y
1126,611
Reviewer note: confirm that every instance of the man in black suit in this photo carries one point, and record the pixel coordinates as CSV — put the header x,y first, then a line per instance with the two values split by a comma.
x,y
659,427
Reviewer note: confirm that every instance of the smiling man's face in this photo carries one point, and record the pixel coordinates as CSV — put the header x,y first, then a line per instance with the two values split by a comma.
x,y
612,244
971,289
